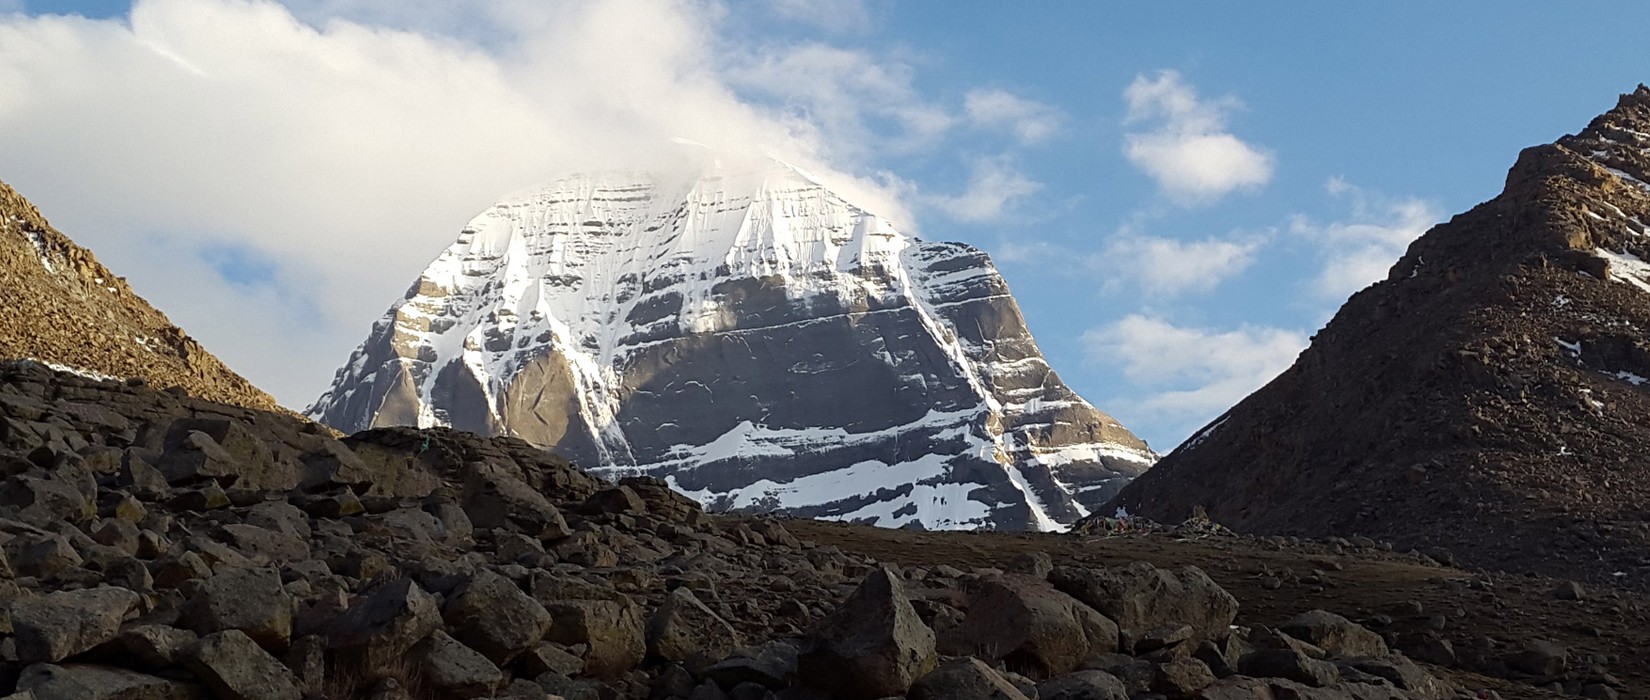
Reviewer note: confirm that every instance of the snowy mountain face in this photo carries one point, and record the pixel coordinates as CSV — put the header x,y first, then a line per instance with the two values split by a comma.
x,y
753,339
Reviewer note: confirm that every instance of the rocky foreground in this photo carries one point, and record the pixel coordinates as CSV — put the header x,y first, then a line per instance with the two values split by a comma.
x,y
157,547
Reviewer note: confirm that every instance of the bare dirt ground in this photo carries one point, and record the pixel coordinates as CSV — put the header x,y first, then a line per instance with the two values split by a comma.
x,y
1486,616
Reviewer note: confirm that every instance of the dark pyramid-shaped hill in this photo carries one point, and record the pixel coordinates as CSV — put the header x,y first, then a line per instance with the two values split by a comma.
x,y
1491,396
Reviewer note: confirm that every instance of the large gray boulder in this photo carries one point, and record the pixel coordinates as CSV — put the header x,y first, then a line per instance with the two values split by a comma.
x,y
263,544
378,630
1541,658
44,555
157,645
493,497
1334,634
1023,622
493,616
334,464
141,479
966,678
1291,664
225,451
454,669
614,500
87,682
280,516
375,469
118,534
1181,678
58,625
1083,685
872,646
613,631
1140,598
43,498
684,629
129,573
236,668
250,600
1402,673
307,657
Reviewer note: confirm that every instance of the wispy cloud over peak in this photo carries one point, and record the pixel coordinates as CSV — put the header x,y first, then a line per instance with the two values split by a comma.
x,y
993,187
851,99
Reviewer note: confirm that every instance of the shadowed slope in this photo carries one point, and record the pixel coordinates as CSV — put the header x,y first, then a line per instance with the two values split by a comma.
x,y
1488,396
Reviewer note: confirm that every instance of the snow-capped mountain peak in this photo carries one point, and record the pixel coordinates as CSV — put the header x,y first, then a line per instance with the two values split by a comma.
x,y
753,337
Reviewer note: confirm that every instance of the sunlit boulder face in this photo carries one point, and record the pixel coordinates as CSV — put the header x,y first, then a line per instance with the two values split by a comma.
x,y
753,338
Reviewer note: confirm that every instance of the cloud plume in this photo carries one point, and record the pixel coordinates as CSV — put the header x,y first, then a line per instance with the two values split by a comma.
x,y
338,145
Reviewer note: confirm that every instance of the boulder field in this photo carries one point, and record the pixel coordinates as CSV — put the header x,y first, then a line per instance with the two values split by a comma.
x,y
157,546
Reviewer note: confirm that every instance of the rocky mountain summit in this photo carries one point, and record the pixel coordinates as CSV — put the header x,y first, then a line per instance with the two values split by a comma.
x,y
753,339
162,547
1487,397
61,306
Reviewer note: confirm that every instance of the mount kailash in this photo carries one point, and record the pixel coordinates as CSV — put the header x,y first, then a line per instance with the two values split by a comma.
x,y
754,339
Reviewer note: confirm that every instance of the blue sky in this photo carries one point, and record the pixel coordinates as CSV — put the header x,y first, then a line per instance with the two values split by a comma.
x,y
1179,193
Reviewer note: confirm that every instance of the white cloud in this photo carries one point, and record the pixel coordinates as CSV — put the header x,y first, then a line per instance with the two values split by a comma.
x,y
1359,251
445,17
1186,376
1028,120
830,15
1188,150
994,185
1168,267
848,98
346,155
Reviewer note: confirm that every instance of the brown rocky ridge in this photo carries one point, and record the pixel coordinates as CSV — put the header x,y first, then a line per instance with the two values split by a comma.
x,y
163,547
1489,397
60,305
